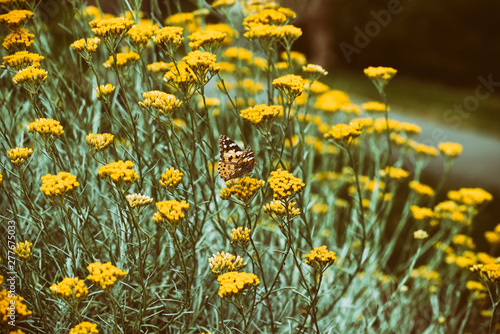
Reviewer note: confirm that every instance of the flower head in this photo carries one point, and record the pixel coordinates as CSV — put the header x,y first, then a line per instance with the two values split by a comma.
x,y
493,237
207,39
104,275
20,39
58,185
160,102
86,47
278,208
138,200
233,283
394,173
470,196
181,78
23,250
260,113
171,178
320,258
421,213
202,64
374,107
111,30
31,78
240,235
169,39
99,142
7,299
450,150
84,328
170,213
489,272
15,19
70,288
141,34
420,235
105,91
123,59
343,134
284,184
290,85
119,172
19,155
21,60
225,262
380,76
243,189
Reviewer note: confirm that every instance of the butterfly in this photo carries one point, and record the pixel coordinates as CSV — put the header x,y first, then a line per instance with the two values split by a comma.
x,y
234,162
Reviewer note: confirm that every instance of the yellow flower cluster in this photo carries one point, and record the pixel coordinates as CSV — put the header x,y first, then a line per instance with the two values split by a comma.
x,y
138,200
84,328
243,189
22,59
493,237
278,208
99,142
70,288
87,46
266,34
123,59
23,249
240,235
260,113
158,67
232,283
394,173
104,90
20,39
164,103
420,235
470,196
290,84
181,78
450,150
427,273
31,76
343,134
202,63
222,3
112,27
15,19
7,299
237,54
171,212
207,39
119,172
225,262
380,76
141,34
169,38
320,258
475,286
464,240
104,275
332,101
489,272
452,211
374,107
314,70
171,178
408,128
187,20
19,155
223,28
267,17
421,213
284,184
58,185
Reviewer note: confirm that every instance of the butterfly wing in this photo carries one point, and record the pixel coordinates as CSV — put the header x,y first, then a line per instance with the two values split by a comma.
x,y
234,162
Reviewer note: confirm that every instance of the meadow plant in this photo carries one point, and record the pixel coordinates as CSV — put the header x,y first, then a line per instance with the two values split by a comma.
x,y
322,226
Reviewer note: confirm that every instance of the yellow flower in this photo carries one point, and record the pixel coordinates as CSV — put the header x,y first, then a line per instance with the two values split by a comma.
x,y
104,275
343,134
202,64
138,200
161,102
420,235
421,213
490,272
171,178
158,67
240,235
70,288
119,172
289,34
470,196
58,185
380,125
421,189
464,240
141,34
265,16
332,101
170,213
20,39
427,273
123,59
207,39
409,128
320,258
23,250
86,47
188,21
31,78
450,150
394,173
181,78
222,3
291,85
380,76
99,142
19,155
423,150
259,113
314,70
238,54
110,28
374,107
233,283
223,28
22,59
284,184
7,299
84,328
104,91
493,237
225,262
278,208
243,189
476,286
169,39
15,19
